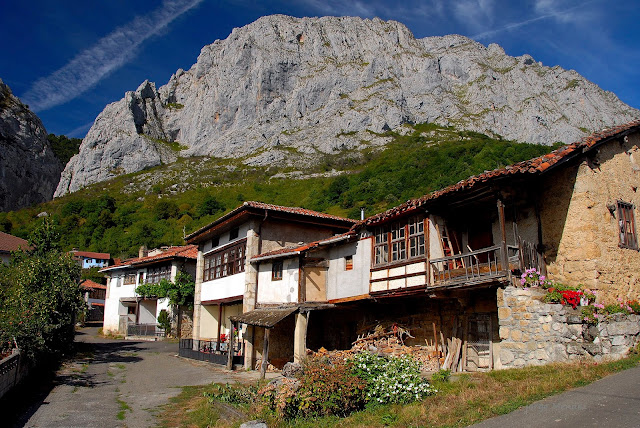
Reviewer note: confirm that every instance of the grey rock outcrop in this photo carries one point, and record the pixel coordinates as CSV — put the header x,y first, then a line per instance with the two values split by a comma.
x,y
320,85
29,170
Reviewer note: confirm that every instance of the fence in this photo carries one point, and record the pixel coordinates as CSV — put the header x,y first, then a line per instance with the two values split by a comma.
x,y
10,373
210,351
145,330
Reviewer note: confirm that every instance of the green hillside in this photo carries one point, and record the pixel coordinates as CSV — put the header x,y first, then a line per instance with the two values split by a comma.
x,y
155,207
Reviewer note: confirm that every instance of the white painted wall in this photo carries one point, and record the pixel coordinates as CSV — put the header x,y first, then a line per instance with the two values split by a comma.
x,y
115,291
223,239
147,312
221,288
281,291
209,325
343,283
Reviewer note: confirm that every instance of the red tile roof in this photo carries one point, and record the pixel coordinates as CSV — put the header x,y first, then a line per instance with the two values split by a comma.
x,y
10,243
90,285
270,207
533,166
311,245
185,251
91,255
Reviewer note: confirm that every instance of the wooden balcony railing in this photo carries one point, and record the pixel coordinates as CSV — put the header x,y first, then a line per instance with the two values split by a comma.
x,y
475,266
484,265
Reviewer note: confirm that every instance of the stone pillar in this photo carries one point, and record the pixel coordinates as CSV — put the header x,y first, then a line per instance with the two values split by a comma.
x,y
250,290
300,337
197,298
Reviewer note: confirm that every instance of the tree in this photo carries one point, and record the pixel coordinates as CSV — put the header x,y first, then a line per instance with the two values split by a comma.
x,y
180,292
40,296
210,205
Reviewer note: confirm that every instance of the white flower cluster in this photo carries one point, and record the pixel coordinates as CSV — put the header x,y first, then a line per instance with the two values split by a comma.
x,y
393,380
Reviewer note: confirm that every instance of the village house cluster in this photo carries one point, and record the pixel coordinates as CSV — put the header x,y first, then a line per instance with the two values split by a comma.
x,y
275,281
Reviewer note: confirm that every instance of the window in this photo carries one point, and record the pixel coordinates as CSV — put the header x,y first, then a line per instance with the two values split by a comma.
x,y
130,278
276,270
348,263
158,273
225,262
381,246
391,244
416,237
215,242
627,226
233,234
398,242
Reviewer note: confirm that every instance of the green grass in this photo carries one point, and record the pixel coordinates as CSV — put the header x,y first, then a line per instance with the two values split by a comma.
x,y
468,399
144,208
123,409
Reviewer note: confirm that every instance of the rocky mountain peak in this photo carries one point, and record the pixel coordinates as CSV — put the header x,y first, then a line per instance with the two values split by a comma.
x,y
29,170
320,85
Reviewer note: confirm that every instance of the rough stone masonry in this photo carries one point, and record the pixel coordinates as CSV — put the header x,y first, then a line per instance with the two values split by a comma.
x,y
534,333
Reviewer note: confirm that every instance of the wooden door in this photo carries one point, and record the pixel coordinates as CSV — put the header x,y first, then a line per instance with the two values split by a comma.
x,y
479,356
315,284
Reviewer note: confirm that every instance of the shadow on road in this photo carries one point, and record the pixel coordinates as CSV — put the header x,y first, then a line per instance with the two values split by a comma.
x,y
75,370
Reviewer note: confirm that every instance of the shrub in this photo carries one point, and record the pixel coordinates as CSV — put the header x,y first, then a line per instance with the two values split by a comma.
x,y
164,322
237,394
393,380
441,375
324,388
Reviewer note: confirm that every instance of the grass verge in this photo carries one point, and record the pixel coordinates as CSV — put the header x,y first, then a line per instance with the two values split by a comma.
x,y
469,399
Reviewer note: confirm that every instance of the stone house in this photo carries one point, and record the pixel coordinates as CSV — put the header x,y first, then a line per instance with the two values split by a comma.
x,y
227,284
9,243
445,261
89,259
93,295
126,312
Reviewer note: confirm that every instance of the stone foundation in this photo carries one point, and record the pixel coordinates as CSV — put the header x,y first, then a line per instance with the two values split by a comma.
x,y
534,333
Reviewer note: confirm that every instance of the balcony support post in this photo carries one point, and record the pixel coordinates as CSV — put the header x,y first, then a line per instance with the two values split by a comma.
x,y
503,237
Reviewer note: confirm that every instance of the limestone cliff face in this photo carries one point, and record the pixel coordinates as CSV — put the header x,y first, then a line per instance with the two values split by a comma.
x,y
29,171
326,84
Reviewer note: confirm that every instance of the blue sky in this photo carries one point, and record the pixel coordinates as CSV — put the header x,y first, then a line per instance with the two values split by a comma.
x,y
67,59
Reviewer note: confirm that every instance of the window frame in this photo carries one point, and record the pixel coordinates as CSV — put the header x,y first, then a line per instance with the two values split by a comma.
x,y
158,273
227,261
627,232
277,268
348,262
394,243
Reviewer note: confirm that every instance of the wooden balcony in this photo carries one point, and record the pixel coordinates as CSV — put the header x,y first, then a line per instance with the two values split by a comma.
x,y
475,267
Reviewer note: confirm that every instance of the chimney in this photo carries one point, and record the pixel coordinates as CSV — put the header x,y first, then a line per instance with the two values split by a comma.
x,y
143,252
361,213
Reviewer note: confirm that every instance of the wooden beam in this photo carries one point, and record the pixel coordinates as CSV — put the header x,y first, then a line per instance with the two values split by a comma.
x,y
230,351
219,326
503,238
265,354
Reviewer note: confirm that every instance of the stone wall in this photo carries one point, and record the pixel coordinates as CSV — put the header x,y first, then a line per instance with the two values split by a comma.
x,y
534,333
186,323
580,225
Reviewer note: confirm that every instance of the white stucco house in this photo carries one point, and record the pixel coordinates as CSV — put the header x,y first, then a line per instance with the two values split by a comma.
x,y
125,312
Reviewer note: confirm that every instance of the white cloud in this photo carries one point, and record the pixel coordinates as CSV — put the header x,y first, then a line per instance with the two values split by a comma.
x,y
107,55
546,10
562,10
382,9
474,13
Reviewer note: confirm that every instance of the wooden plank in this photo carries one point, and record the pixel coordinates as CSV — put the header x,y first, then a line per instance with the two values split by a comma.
x,y
265,354
463,363
435,343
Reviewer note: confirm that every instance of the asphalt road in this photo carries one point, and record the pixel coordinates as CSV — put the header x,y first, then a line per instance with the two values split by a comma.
x,y
613,401
118,376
